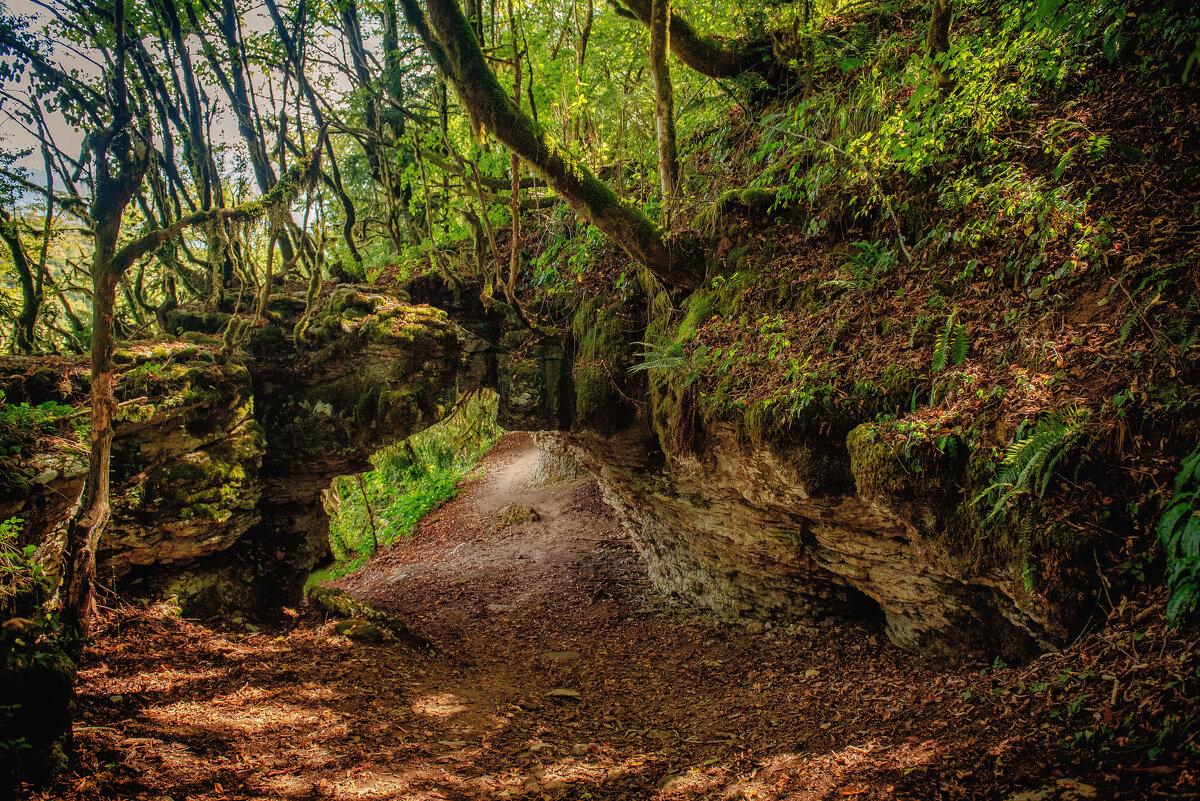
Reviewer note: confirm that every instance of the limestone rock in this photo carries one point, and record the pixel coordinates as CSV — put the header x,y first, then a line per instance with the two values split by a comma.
x,y
516,515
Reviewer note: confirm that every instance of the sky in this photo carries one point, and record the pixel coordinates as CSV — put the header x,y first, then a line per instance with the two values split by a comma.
x,y
13,135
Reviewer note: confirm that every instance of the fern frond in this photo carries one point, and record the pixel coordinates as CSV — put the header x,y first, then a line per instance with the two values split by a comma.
x,y
666,356
961,345
1029,462
941,346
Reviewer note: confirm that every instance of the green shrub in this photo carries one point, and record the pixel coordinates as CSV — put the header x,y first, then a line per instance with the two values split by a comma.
x,y
410,480
1179,533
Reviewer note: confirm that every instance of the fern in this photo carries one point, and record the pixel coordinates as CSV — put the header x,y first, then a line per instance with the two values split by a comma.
x,y
1179,534
961,345
1029,462
951,346
665,356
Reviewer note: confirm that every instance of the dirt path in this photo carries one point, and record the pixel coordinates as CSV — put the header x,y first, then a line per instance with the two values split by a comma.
x,y
560,674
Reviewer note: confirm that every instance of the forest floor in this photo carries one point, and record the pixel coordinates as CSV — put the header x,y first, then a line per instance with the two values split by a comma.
x,y
560,674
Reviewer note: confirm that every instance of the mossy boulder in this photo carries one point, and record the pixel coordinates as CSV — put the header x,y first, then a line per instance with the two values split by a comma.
x,y
877,465
361,618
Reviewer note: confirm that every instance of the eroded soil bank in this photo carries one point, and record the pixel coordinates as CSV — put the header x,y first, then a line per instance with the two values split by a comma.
x,y
560,674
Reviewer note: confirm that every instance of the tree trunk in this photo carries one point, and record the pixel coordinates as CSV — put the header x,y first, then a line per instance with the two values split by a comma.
x,y
31,299
458,55
664,104
362,488
90,521
708,55
938,41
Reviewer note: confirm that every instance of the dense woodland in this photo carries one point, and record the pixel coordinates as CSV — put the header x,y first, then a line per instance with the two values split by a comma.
x,y
958,237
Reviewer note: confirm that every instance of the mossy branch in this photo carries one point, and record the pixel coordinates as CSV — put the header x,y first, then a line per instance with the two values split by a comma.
x,y
281,195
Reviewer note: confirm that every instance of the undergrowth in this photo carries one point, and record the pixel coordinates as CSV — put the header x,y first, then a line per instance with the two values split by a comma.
x,y
411,479
1179,535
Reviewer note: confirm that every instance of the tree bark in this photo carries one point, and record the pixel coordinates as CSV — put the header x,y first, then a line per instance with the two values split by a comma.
x,y
457,54
708,55
664,104
31,299
938,42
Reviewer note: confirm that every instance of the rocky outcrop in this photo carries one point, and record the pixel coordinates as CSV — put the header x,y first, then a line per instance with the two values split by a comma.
x,y
752,531
220,461
220,455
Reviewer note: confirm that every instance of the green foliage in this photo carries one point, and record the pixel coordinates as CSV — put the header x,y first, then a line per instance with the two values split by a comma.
x,y
410,480
1028,464
867,264
1179,534
20,425
951,346
23,582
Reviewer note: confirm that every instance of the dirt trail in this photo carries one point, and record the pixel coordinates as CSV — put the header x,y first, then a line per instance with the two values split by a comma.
x,y
560,674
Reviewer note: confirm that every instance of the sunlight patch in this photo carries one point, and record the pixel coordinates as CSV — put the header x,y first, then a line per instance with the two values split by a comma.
x,y
440,705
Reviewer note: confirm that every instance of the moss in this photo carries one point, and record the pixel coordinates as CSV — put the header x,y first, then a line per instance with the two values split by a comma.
x,y
699,310
875,464
600,357
758,200
898,383
361,630
206,595
338,603
513,340
593,392
213,483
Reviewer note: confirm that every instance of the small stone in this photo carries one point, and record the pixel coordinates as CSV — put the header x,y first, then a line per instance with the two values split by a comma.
x,y
355,629
667,779
516,514
562,656
563,693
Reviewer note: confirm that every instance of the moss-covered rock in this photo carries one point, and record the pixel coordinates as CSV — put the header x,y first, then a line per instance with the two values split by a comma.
x,y
604,344
534,378
359,617
362,630
877,466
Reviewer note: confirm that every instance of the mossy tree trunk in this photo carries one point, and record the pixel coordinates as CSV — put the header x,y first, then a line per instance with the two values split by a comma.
x,y
117,148
708,55
664,103
938,42
453,46
31,298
